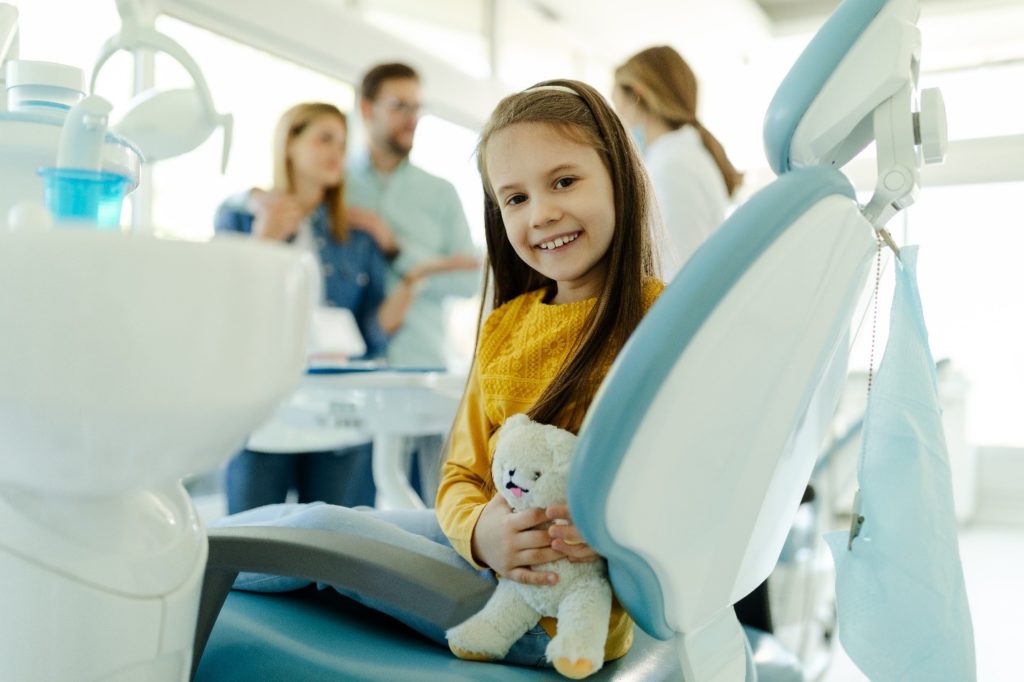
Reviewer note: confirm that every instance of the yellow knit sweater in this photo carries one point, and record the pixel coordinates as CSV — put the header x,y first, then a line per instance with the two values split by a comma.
x,y
522,346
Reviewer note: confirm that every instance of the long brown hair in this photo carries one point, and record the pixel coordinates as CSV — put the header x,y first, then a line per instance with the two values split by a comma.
x,y
665,85
289,126
584,117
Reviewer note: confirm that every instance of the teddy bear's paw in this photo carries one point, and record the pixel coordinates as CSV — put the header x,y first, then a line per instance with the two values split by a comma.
x,y
575,670
575,658
470,655
477,640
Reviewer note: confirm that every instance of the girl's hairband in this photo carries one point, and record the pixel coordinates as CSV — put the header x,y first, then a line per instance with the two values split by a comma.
x,y
557,88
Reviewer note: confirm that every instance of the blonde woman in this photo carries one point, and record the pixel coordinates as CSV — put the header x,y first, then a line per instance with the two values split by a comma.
x,y
655,95
306,209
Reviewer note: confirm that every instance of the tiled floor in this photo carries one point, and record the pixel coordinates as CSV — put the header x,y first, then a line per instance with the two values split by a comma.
x,y
993,561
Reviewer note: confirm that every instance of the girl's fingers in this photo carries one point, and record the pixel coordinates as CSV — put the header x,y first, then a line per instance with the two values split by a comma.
x,y
531,539
527,576
528,518
558,511
577,552
535,557
569,533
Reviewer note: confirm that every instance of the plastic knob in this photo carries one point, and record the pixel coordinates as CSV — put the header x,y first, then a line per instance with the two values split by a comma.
x,y
895,180
931,124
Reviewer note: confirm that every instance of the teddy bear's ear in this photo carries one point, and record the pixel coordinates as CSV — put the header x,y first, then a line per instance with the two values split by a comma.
x,y
562,443
516,421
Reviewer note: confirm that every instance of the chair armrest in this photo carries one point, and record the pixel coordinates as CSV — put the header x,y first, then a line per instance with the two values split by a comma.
x,y
422,586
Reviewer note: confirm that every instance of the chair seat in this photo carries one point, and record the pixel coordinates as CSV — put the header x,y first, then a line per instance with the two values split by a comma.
x,y
312,636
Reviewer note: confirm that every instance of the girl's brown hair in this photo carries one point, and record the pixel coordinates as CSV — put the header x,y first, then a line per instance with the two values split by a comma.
x,y
665,85
583,116
289,126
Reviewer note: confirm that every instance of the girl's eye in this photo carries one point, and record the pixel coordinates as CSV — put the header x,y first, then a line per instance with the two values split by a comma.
x,y
515,199
562,183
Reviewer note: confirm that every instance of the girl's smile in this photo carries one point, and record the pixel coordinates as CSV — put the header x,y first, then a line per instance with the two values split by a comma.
x,y
558,243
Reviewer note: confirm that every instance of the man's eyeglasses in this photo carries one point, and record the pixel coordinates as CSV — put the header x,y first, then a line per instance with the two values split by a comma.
x,y
401,107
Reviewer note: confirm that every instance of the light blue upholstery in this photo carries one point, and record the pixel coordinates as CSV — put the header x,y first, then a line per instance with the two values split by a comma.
x,y
659,340
323,636
809,73
271,637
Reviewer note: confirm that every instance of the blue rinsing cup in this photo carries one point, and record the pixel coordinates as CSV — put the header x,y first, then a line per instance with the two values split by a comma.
x,y
80,195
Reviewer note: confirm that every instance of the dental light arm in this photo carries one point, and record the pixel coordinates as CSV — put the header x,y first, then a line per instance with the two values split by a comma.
x,y
164,123
8,46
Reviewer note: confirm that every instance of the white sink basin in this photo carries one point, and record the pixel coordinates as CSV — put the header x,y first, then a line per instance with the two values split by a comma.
x,y
128,361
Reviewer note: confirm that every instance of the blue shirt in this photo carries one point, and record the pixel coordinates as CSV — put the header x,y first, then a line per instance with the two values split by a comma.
x,y
427,217
354,271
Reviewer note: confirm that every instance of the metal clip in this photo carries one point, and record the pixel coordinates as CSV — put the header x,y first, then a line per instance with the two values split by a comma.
x,y
889,241
856,523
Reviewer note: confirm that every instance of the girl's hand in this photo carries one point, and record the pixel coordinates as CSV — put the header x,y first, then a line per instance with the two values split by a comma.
x,y
510,543
277,215
565,538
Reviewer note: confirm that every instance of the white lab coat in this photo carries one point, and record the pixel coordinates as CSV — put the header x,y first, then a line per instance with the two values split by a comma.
x,y
690,193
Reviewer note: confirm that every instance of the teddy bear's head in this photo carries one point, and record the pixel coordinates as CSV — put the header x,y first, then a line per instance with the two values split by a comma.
x,y
531,463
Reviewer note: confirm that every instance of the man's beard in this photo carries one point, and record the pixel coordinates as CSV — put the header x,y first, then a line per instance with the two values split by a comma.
x,y
398,148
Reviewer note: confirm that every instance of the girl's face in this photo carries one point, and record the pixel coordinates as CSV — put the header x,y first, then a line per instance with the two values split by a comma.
x,y
317,154
557,203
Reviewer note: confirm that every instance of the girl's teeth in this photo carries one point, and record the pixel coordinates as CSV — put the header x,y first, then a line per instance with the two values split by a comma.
x,y
560,241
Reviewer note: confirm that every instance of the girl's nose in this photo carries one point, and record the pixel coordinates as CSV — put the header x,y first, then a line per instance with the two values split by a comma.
x,y
544,212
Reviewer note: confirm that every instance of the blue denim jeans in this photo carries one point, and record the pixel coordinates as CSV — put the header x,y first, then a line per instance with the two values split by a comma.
x,y
418,531
344,477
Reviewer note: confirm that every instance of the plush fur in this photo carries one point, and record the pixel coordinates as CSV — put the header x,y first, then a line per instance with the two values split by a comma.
x,y
530,469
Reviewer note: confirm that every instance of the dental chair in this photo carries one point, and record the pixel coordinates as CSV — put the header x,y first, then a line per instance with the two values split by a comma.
x,y
697,449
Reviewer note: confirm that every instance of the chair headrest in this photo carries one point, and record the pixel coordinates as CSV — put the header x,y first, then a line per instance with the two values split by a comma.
x,y
820,114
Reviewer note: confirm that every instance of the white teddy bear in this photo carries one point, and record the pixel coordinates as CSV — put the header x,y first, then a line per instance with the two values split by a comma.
x,y
530,469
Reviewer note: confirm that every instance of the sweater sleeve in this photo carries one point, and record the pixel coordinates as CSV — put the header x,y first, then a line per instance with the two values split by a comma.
x,y
466,484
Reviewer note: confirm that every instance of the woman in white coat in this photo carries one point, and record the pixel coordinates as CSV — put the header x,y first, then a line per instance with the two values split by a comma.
x,y
656,96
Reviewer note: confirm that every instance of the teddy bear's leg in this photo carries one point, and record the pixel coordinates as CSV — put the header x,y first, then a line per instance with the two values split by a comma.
x,y
491,633
577,650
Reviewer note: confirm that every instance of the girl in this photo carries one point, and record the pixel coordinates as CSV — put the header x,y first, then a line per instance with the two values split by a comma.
x,y
568,241
306,209
573,273
656,96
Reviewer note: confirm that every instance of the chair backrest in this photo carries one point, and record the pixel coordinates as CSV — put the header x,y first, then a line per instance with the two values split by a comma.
x,y
687,475
699,445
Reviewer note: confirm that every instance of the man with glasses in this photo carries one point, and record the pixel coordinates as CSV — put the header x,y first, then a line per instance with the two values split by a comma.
x,y
388,194
418,220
